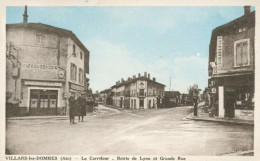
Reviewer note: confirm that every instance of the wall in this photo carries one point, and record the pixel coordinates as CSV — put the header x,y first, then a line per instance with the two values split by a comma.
x,y
228,51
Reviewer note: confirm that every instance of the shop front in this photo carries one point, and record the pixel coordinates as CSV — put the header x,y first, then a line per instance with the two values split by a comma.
x,y
44,98
235,96
76,90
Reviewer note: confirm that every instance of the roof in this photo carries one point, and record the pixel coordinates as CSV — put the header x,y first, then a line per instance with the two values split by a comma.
x,y
230,28
50,28
135,79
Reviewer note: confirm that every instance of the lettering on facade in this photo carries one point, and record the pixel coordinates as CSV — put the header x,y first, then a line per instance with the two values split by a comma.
x,y
39,66
43,83
247,113
76,87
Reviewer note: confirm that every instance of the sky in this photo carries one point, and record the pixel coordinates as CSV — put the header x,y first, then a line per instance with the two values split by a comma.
x,y
167,42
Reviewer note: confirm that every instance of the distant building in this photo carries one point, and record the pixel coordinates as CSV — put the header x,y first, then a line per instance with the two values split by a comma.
x,y
232,67
171,99
137,93
44,66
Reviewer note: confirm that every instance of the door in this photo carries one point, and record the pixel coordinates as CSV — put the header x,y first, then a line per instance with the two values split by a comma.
x,y
43,102
141,104
229,103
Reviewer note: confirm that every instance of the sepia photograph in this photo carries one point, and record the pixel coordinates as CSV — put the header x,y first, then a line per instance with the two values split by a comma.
x,y
130,80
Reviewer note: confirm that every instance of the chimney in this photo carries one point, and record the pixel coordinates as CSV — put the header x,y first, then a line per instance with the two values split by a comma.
x,y
145,74
25,16
154,79
134,76
148,75
122,80
246,10
139,75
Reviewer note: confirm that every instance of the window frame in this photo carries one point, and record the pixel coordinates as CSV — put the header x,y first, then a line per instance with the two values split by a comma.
x,y
41,40
81,80
248,52
73,77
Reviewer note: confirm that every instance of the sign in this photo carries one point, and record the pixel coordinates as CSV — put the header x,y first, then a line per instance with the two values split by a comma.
x,y
213,90
195,87
61,74
43,83
247,113
39,66
76,87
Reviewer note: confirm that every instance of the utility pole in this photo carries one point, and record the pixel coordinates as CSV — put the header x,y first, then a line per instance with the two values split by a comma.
x,y
195,99
170,83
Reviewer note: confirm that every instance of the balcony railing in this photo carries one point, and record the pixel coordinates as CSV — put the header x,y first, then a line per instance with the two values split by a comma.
x,y
141,94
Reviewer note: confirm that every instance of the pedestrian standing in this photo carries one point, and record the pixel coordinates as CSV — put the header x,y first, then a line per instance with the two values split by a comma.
x,y
82,107
72,106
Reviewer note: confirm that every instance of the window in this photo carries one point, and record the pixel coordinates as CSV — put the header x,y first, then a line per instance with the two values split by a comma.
x,y
81,55
80,76
141,92
74,50
40,39
241,53
73,72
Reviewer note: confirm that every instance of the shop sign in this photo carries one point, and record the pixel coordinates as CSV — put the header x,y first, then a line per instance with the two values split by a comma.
x,y
213,90
247,113
43,83
39,66
77,87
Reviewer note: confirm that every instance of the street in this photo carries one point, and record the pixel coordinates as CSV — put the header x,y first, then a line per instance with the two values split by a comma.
x,y
110,131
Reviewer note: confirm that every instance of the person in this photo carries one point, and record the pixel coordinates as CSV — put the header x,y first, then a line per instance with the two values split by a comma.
x,y
72,106
82,108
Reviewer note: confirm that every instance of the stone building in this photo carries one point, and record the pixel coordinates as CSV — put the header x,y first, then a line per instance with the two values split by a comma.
x,y
232,67
137,92
44,66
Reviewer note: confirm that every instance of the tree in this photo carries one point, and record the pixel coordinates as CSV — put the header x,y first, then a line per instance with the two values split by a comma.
x,y
190,93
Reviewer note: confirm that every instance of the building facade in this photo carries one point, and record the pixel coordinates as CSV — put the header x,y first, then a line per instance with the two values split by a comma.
x,y
44,66
232,67
137,93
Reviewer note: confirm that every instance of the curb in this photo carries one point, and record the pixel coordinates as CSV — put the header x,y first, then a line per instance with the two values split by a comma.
x,y
39,117
190,117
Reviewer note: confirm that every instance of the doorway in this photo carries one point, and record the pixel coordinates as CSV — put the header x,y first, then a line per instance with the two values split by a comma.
x,y
141,104
43,102
229,104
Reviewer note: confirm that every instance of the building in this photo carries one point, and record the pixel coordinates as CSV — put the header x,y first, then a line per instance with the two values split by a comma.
x,y
44,66
232,67
137,92
171,99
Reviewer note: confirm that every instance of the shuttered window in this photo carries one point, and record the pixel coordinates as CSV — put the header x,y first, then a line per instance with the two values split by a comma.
x,y
241,53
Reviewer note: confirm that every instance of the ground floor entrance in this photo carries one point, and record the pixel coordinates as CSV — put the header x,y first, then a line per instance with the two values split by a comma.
x,y
43,102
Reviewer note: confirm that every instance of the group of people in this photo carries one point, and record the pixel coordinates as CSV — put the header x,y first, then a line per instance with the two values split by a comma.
x,y
77,107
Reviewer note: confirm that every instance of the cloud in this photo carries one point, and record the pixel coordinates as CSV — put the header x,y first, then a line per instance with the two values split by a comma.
x,y
111,62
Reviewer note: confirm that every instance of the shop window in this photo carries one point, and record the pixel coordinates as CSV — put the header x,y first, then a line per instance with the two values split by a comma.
x,y
244,98
73,72
241,53
40,39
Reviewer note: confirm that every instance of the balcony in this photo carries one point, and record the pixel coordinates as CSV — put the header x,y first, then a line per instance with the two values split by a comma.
x,y
141,94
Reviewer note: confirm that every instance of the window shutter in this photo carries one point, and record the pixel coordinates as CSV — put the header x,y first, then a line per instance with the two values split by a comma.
x,y
219,52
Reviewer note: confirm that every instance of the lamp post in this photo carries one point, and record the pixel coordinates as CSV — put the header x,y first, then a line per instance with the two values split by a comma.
x,y
195,99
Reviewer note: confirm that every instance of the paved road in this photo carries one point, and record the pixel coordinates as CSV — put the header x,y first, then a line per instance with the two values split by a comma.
x,y
128,132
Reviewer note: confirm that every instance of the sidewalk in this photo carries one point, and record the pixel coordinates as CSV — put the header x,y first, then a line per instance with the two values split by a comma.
x,y
38,117
205,117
